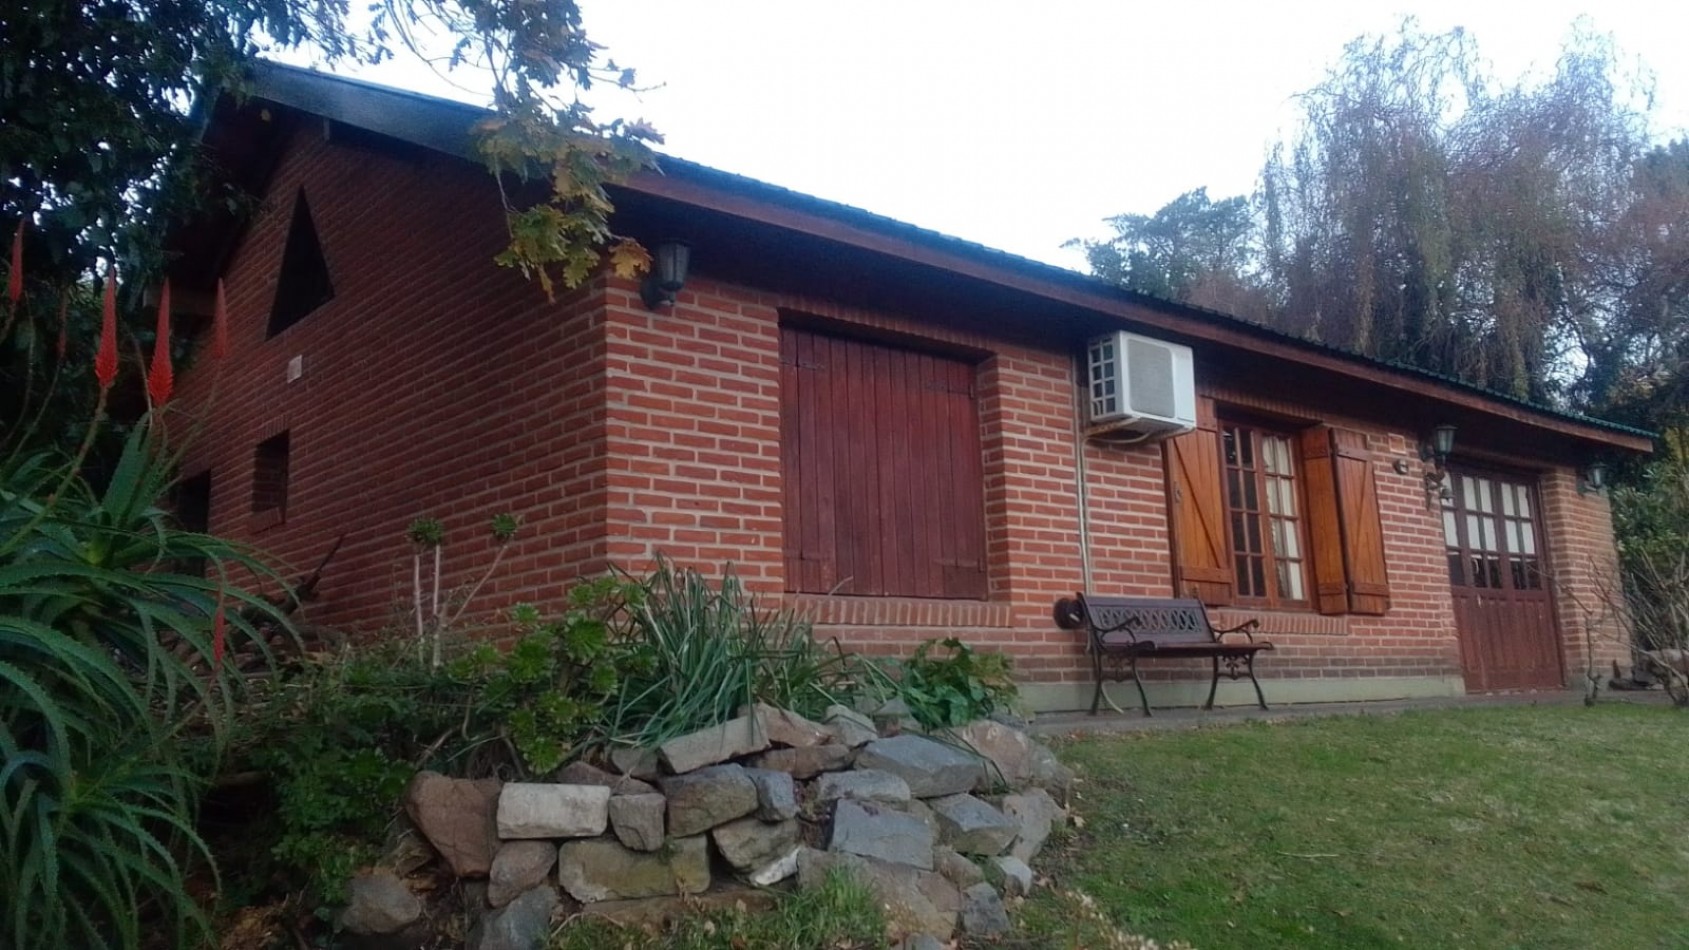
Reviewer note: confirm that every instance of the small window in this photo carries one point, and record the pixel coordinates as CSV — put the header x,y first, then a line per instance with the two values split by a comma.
x,y
192,503
1264,509
303,284
269,476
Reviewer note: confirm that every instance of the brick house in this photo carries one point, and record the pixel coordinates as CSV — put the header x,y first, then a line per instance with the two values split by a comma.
x,y
881,425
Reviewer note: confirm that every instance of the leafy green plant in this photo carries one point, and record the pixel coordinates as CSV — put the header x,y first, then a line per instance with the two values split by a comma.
x,y
955,689
699,651
114,702
340,740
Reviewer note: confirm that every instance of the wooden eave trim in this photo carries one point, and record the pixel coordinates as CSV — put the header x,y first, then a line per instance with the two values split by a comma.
x,y
677,188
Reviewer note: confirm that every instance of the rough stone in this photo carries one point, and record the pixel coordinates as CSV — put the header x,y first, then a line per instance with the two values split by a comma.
x,y
982,912
714,745
958,869
700,800
849,727
599,869
776,870
581,773
786,728
916,808
518,867
408,851
878,831
643,764
925,942
1036,814
1048,773
1007,751
777,794
914,901
806,763
541,810
638,820
894,718
748,844
653,913
863,785
971,826
930,767
1017,877
523,924
379,903
456,816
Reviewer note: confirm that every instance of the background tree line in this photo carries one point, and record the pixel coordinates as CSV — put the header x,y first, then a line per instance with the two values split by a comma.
x,y
1529,236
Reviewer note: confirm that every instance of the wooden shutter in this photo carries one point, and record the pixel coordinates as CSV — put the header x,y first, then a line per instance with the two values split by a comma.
x,y
1346,530
882,470
1195,499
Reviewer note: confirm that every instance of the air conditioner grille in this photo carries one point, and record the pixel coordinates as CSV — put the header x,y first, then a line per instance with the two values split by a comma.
x,y
1149,368
1105,394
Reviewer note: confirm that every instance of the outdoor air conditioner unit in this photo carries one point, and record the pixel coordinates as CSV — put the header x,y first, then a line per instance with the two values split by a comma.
x,y
1139,385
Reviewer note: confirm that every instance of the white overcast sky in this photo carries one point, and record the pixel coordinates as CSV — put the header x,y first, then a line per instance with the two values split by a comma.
x,y
1020,125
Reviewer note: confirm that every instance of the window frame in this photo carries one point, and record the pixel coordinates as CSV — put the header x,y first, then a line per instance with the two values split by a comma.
x,y
1226,424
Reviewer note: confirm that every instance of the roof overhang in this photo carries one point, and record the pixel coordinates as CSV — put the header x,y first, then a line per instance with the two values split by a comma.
x,y
446,126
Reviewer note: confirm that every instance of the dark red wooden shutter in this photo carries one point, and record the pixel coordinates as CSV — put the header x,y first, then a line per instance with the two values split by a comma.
x,y
1346,528
883,477
1201,563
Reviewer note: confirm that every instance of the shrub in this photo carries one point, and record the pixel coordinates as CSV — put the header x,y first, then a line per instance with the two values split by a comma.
x,y
955,689
699,651
114,702
1651,521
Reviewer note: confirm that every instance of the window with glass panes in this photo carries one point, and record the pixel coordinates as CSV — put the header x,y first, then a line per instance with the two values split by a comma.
x,y
1489,529
1264,514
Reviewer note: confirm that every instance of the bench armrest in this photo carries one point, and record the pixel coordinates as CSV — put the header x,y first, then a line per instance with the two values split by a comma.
x,y
1247,628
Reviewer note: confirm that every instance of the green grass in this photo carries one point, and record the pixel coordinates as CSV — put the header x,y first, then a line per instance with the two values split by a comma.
x,y
1537,827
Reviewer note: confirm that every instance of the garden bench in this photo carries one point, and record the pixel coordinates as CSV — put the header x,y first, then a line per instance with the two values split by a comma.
x,y
1124,630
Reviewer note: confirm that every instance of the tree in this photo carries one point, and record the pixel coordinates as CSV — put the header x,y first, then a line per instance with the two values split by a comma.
x,y
97,114
1192,250
1526,236
1429,214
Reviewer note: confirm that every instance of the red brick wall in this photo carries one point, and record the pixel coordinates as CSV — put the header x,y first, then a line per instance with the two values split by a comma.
x,y
1584,568
677,380
434,383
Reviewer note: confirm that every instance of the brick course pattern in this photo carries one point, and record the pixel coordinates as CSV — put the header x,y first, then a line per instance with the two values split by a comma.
x,y
435,383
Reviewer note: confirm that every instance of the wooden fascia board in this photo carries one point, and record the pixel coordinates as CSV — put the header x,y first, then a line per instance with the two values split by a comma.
x,y
678,189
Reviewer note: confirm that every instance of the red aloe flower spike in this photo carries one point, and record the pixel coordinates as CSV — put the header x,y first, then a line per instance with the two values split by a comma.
x,y
161,378
220,325
14,280
218,638
105,360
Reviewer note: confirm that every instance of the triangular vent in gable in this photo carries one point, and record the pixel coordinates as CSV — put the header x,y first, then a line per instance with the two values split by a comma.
x,y
303,284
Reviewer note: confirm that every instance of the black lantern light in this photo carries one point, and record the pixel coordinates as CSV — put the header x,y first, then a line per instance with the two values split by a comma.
x,y
1593,479
1434,451
669,265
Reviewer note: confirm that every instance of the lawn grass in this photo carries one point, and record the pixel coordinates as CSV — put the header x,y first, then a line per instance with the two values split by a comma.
x,y
1528,827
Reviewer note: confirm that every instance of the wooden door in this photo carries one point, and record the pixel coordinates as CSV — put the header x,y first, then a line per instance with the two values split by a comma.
x,y
1504,609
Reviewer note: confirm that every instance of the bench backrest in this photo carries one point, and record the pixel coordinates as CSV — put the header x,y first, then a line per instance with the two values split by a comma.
x,y
1162,621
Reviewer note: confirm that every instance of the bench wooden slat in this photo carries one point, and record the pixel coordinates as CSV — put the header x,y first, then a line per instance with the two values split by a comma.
x,y
1127,629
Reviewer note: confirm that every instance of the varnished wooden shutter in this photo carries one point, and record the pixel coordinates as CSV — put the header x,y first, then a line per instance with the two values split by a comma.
x,y
884,490
1197,506
1347,531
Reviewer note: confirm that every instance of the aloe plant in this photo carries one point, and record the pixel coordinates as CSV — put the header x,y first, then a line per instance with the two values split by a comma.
x,y
113,700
